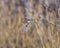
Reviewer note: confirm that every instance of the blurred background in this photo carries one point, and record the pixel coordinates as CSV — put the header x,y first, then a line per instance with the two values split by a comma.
x,y
29,23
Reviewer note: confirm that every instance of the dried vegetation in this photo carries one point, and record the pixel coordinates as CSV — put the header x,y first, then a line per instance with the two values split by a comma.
x,y
29,24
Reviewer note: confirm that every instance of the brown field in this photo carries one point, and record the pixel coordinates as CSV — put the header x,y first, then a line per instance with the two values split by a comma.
x,y
42,32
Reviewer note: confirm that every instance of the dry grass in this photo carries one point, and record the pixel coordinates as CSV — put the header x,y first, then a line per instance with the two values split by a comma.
x,y
35,36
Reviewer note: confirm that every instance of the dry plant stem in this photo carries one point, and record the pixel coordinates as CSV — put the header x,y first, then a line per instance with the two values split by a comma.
x,y
40,33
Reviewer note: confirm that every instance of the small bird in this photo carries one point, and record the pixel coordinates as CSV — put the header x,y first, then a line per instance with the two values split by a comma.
x,y
29,19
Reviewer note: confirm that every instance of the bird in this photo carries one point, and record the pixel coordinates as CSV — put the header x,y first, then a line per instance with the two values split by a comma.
x,y
29,19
